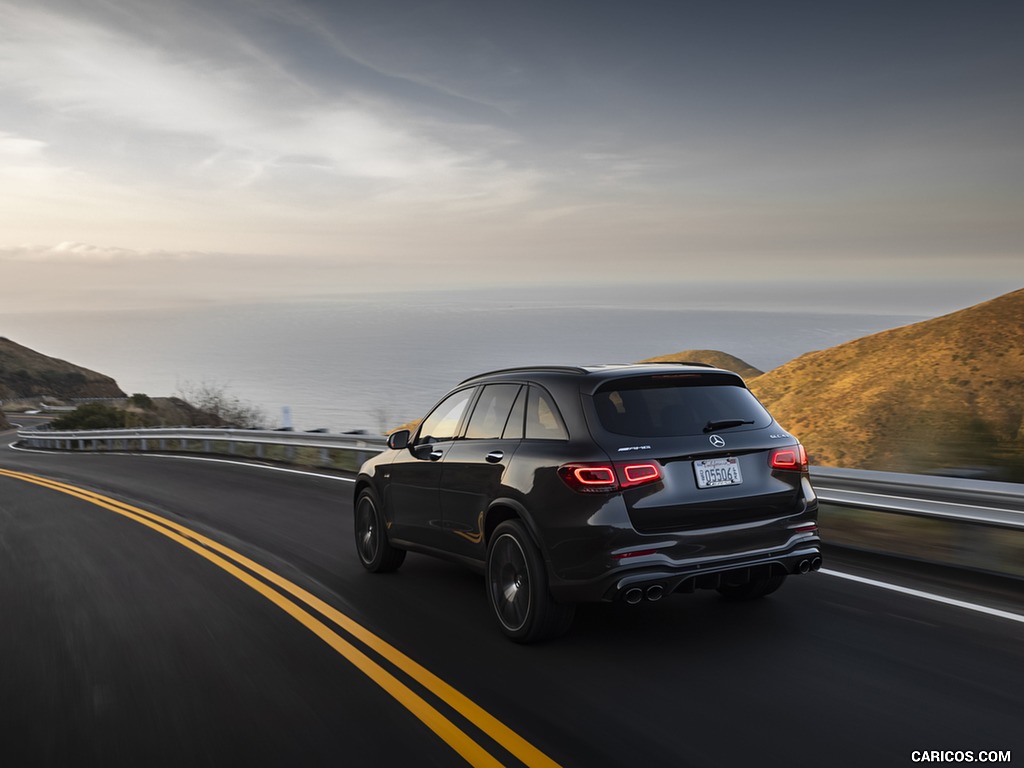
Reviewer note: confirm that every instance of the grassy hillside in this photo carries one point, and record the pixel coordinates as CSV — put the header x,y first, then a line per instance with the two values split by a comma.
x,y
25,373
711,357
947,392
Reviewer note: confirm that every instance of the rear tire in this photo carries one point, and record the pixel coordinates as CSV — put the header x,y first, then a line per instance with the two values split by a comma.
x,y
375,551
517,588
754,588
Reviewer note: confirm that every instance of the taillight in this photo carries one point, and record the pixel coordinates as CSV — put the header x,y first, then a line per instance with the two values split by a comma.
x,y
606,478
589,478
792,457
638,474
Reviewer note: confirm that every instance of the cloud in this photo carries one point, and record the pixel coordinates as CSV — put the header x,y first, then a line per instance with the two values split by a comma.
x,y
84,253
18,148
247,115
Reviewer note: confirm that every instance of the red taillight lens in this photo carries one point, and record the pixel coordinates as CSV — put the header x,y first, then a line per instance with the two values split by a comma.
x,y
793,457
589,478
638,474
605,478
594,475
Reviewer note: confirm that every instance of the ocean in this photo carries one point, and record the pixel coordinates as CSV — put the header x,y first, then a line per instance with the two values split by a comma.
x,y
374,362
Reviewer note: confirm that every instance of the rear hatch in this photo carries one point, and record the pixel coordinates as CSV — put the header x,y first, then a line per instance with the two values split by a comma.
x,y
712,443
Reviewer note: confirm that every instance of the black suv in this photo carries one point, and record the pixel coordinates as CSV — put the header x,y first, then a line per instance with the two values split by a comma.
x,y
615,482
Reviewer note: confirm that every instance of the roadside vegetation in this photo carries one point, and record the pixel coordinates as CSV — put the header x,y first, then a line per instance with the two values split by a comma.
x,y
206,405
230,410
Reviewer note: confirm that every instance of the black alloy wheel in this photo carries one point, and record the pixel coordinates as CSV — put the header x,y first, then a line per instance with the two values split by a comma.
x,y
375,551
517,589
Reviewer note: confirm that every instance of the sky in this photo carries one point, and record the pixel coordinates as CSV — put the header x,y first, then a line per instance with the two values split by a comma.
x,y
163,153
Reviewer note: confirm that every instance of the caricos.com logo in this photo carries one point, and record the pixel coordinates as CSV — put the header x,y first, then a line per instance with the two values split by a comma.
x,y
960,756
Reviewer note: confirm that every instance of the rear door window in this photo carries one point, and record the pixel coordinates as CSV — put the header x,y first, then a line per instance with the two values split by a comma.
x,y
516,419
491,412
676,405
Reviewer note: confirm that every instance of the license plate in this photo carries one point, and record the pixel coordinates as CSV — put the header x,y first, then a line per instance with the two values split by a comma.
x,y
712,473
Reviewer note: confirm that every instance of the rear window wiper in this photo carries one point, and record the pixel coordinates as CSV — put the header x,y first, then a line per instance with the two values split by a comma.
x,y
711,426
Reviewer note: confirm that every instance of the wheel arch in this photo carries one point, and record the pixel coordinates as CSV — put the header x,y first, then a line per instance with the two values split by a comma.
x,y
503,509
362,483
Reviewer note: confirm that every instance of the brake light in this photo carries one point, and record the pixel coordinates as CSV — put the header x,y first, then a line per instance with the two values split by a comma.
x,y
606,478
638,474
593,477
793,458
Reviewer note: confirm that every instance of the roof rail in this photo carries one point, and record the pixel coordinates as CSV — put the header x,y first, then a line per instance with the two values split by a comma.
x,y
684,362
531,368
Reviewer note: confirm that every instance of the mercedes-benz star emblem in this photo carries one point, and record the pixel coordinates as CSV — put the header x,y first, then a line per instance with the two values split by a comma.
x,y
718,441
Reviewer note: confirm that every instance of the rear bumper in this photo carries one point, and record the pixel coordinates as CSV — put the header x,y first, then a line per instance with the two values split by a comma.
x,y
658,575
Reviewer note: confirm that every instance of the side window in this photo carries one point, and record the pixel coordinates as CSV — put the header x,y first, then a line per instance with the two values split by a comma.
x,y
542,419
492,410
443,421
514,425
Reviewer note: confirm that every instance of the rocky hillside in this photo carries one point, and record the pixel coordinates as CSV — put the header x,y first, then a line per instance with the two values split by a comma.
x,y
26,374
947,392
711,357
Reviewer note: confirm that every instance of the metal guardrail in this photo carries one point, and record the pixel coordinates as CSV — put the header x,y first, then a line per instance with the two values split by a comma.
x,y
974,501
346,452
952,521
973,524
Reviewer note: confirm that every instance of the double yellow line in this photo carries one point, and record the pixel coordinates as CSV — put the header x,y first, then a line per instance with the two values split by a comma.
x,y
233,563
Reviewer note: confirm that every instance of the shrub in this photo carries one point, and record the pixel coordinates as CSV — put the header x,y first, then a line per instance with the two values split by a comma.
x,y
91,416
141,401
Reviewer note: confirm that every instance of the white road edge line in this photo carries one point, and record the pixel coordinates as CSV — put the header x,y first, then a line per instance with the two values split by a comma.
x,y
927,596
270,467
249,464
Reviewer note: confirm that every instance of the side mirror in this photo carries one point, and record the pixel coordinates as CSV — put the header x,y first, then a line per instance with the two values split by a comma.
x,y
399,440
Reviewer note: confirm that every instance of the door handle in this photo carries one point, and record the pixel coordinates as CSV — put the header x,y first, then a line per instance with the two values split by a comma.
x,y
494,456
436,454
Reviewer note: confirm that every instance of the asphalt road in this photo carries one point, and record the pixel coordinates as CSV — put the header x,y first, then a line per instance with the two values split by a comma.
x,y
192,613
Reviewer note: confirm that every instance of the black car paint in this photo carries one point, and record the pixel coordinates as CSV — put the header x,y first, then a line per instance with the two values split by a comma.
x,y
445,498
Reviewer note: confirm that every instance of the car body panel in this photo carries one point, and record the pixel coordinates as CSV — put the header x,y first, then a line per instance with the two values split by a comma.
x,y
669,533
469,482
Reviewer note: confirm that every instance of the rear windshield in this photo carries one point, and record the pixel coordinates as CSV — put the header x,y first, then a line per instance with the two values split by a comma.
x,y
676,405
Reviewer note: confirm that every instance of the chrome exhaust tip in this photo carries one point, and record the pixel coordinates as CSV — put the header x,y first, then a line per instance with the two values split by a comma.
x,y
816,564
634,596
805,566
655,592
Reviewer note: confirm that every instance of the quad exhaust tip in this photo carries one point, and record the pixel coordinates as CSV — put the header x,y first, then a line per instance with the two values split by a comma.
x,y
653,593
806,566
